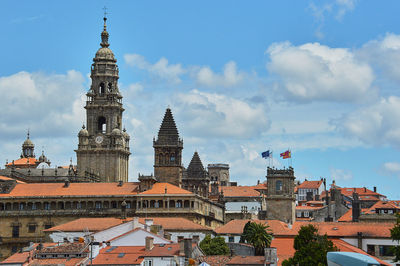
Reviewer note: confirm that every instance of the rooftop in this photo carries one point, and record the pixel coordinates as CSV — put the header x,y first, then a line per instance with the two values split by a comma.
x,y
90,224
165,188
176,224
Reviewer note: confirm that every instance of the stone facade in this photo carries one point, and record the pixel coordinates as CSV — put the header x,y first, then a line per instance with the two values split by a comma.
x,y
103,147
168,152
219,173
280,195
24,214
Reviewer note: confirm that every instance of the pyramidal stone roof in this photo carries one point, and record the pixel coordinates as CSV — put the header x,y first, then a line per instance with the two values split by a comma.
x,y
195,168
168,133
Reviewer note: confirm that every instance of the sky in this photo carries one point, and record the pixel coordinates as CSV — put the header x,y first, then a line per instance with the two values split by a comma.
x,y
320,78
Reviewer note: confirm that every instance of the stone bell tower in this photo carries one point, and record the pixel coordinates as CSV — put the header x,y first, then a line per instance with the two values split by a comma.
x,y
280,195
103,147
168,152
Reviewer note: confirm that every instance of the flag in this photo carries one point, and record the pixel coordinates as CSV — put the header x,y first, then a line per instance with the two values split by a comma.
x,y
287,154
266,154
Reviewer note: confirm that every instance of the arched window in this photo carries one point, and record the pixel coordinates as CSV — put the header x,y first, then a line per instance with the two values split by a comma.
x,y
101,124
109,87
101,88
278,186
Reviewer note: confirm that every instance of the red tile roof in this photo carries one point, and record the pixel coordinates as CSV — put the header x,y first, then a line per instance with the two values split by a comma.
x,y
310,184
5,178
240,191
246,260
215,260
285,248
24,162
236,226
66,261
309,207
90,224
74,189
113,255
163,188
176,224
333,229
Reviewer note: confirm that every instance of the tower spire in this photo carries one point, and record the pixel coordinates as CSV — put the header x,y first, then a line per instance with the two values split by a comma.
x,y
104,34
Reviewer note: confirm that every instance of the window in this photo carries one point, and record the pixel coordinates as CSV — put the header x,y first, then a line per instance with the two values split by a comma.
x,y
278,185
14,249
21,206
306,214
371,250
172,159
101,89
390,211
34,206
231,239
47,226
298,214
113,205
79,205
179,204
47,206
385,251
128,205
148,262
15,231
180,238
101,124
98,205
31,228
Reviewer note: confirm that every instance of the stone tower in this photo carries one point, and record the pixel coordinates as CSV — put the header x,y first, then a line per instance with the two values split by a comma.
x,y
196,178
280,195
168,152
28,148
103,147
219,172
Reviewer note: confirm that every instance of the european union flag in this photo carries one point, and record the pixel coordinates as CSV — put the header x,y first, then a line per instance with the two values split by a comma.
x,y
266,154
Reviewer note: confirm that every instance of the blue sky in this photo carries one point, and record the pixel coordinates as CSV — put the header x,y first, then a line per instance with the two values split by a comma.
x,y
318,77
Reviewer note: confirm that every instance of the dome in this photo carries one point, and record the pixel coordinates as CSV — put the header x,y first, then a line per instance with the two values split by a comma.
x,y
28,143
83,132
116,132
105,53
42,158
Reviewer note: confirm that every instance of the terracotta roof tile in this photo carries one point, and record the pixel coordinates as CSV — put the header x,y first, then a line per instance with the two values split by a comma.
x,y
113,255
383,205
163,188
309,207
215,260
66,261
74,189
176,223
23,161
310,184
240,191
5,178
90,224
246,260
236,226
167,250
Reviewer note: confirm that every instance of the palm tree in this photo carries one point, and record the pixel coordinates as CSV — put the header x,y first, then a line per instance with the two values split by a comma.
x,y
259,236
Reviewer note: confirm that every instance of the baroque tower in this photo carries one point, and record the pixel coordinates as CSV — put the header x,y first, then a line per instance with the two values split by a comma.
x,y
103,147
168,152
280,195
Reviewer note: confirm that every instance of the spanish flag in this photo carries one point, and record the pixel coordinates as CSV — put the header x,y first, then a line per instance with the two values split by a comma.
x,y
287,154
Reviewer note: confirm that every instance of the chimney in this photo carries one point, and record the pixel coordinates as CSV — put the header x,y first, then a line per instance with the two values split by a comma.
x,y
123,210
148,223
375,189
359,240
365,189
187,247
271,256
149,243
66,184
356,211
135,222
181,247
120,183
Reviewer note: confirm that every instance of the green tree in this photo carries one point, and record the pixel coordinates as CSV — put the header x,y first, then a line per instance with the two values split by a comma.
x,y
311,248
214,246
258,235
245,232
395,235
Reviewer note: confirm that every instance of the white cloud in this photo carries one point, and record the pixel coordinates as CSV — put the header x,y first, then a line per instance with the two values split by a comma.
x,y
384,55
341,174
229,78
212,114
313,72
47,103
161,69
377,124
392,167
